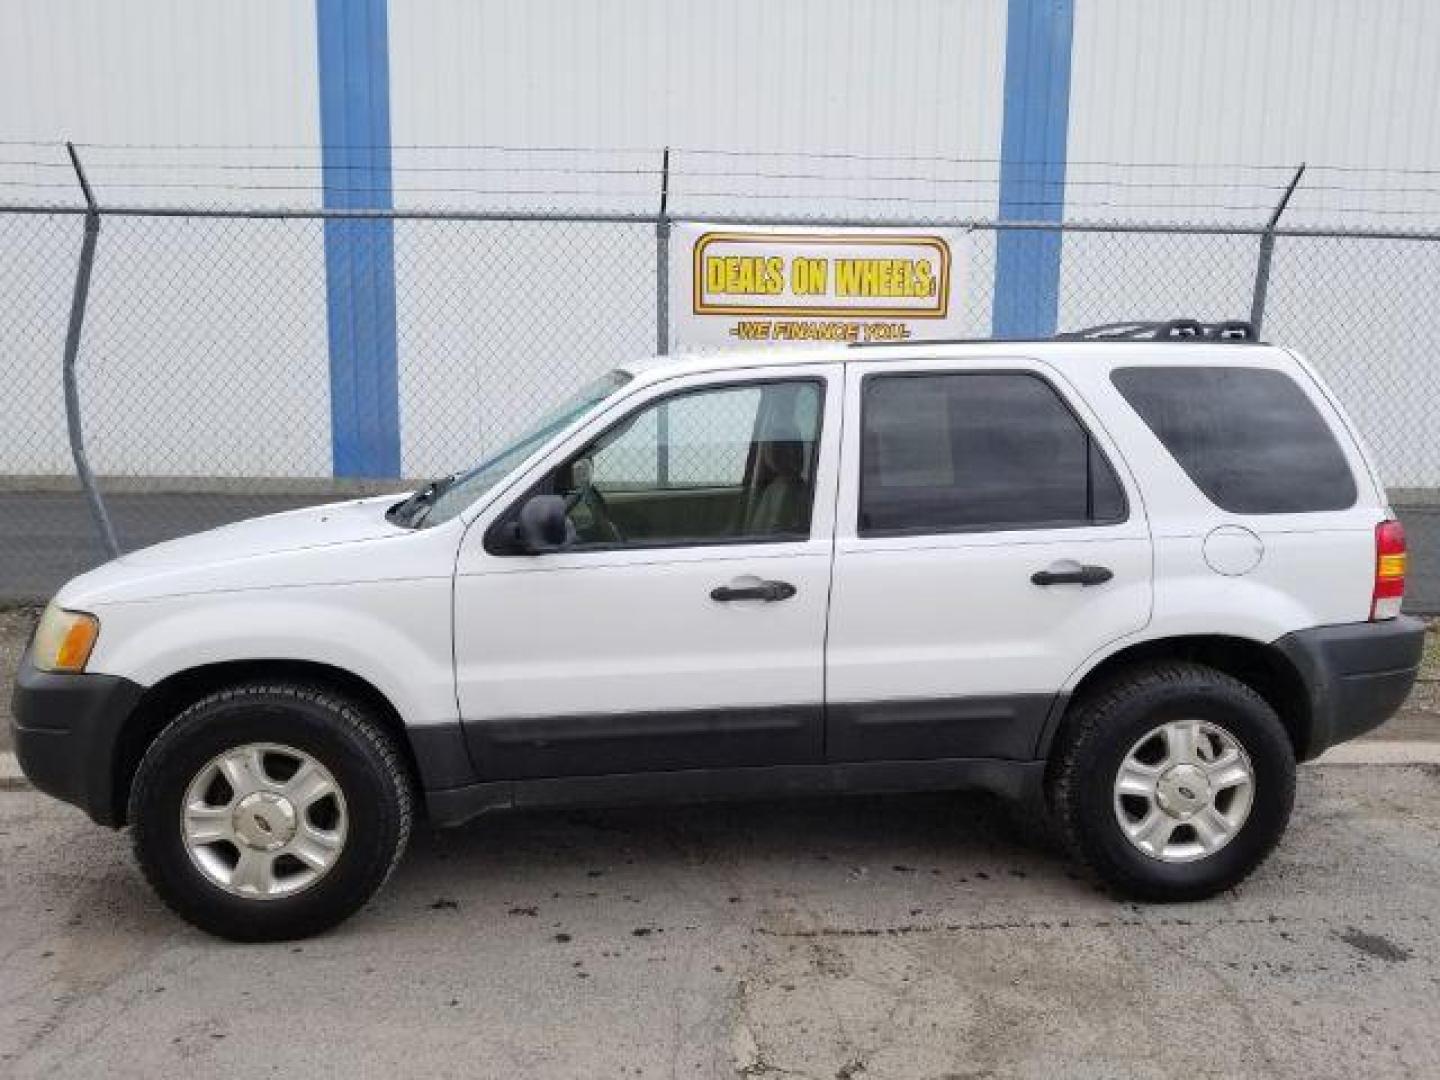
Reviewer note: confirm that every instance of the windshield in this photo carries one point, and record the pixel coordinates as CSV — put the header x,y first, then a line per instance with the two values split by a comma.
x,y
442,499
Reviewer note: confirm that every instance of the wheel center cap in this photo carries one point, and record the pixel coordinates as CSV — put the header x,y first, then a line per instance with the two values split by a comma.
x,y
1182,790
264,820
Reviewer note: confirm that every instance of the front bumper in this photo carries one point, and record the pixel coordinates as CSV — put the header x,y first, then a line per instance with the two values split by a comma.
x,y
67,734
1357,675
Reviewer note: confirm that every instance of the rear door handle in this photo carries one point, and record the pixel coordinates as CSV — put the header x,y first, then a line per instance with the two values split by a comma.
x,y
1072,574
769,591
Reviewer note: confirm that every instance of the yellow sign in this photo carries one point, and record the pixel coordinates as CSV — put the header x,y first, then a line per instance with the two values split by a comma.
x,y
839,275
798,285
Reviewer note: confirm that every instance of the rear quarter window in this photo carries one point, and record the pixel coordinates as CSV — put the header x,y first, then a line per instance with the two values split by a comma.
x,y
1250,438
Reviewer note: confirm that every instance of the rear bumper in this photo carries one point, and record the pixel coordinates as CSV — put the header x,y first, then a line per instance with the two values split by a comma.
x,y
1357,675
67,730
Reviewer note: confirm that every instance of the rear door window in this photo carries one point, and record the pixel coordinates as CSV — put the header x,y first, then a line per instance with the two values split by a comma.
x,y
1250,438
977,451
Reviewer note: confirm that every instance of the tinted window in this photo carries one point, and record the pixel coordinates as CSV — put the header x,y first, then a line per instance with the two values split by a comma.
x,y
947,453
1249,438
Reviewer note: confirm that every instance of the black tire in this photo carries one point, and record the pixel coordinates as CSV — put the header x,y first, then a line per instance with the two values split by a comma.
x,y
1100,731
340,735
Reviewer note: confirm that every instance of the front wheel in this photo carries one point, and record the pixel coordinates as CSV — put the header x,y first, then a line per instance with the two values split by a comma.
x,y
1173,782
267,812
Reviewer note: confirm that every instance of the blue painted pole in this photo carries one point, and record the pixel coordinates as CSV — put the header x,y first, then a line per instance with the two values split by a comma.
x,y
354,67
1032,166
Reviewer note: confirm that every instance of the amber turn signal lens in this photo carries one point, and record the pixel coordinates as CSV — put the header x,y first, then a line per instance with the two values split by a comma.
x,y
64,640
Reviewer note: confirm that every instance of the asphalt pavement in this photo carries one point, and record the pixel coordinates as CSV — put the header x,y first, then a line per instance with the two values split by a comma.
x,y
920,936
48,537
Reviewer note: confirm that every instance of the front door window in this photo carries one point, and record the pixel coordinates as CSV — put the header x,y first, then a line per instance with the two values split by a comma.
x,y
720,465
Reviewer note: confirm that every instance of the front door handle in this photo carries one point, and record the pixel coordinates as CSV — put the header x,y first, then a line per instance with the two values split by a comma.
x,y
769,591
1072,574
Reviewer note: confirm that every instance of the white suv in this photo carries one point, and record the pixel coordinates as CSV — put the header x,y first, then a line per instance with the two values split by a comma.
x,y
1139,578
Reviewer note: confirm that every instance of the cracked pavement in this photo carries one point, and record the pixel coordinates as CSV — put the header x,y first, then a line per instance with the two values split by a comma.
x,y
916,936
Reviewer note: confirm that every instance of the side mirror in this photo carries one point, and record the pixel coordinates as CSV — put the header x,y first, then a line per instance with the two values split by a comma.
x,y
543,525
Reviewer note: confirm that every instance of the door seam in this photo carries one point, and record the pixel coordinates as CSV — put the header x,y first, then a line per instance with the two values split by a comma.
x,y
840,465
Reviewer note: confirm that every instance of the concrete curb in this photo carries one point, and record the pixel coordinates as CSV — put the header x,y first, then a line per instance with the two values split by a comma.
x,y
11,778
1371,752
1382,752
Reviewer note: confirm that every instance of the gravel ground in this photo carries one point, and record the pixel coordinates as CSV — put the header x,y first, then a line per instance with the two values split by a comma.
x,y
901,937
1420,718
15,626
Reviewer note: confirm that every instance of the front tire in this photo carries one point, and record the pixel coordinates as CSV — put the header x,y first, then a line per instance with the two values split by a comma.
x,y
1172,782
270,811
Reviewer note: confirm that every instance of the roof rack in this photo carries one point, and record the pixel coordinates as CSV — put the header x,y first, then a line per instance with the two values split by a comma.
x,y
1229,330
1168,330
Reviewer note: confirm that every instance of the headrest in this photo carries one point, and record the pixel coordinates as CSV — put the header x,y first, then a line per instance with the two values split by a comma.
x,y
783,458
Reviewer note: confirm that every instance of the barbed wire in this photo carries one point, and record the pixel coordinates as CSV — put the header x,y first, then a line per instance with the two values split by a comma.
x,y
702,177
676,177
679,169
711,151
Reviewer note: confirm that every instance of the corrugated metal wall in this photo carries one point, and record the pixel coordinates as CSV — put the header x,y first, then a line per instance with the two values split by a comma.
x,y
166,87
921,78
148,76
1177,110
1231,89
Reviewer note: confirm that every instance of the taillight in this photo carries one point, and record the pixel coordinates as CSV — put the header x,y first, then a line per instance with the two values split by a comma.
x,y
1389,570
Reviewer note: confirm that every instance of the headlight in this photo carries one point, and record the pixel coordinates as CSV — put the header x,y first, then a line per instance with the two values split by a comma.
x,y
63,640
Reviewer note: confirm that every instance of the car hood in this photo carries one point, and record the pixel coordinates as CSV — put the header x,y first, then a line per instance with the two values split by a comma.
x,y
293,530
335,544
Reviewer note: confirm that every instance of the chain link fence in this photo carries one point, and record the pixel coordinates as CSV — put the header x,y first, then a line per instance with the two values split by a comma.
x,y
204,370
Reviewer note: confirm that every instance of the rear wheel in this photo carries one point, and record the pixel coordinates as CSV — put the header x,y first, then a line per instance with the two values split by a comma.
x,y
270,811
1172,782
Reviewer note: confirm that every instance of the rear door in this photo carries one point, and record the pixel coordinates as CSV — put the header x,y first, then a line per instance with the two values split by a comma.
x,y
988,540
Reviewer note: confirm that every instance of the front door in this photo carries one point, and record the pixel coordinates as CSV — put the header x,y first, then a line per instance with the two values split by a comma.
x,y
986,546
684,625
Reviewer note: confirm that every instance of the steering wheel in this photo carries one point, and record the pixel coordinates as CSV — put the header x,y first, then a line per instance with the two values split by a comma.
x,y
588,495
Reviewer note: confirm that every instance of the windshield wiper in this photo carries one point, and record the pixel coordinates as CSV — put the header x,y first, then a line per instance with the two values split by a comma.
x,y
409,512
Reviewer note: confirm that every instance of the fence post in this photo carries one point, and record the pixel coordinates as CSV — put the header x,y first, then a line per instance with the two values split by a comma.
x,y
662,261
73,422
662,316
1267,252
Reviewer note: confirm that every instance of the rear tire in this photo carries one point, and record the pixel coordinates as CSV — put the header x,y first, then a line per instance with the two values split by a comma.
x,y
270,811
1206,790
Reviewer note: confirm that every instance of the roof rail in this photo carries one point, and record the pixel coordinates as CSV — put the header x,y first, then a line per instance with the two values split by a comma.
x,y
1168,330
1229,330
